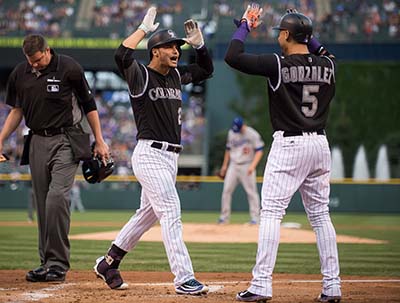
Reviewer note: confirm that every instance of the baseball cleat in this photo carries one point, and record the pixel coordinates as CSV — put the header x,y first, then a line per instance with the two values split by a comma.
x,y
247,296
191,287
109,275
222,221
328,299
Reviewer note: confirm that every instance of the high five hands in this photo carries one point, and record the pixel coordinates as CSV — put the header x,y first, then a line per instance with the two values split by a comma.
x,y
252,15
194,37
148,24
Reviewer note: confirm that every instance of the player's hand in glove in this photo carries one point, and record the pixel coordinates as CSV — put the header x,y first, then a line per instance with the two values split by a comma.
x,y
252,15
194,37
148,24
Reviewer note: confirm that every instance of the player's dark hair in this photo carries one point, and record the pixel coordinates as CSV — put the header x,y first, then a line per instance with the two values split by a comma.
x,y
34,43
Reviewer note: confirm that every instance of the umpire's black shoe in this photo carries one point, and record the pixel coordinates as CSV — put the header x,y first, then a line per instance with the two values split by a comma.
x,y
55,274
37,275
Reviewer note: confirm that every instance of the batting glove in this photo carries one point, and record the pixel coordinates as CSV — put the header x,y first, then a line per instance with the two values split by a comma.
x,y
148,24
194,37
252,15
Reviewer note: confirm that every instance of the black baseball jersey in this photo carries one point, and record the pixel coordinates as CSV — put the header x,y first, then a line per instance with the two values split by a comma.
x,y
52,97
157,99
300,86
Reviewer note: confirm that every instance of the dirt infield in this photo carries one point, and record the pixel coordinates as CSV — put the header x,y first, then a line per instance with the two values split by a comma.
x,y
152,287
228,233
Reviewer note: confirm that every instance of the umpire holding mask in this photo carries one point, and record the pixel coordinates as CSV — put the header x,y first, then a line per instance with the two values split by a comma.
x,y
51,93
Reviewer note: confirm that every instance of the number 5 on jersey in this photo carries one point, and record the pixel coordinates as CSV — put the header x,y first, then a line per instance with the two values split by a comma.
x,y
309,102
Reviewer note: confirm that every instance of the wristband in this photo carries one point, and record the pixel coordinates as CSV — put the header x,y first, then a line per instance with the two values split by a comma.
x,y
241,32
314,46
144,28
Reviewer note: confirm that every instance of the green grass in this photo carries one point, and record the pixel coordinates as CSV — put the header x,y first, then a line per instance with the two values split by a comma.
x,y
19,246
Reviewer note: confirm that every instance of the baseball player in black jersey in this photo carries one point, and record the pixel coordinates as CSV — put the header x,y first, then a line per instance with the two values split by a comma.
x,y
301,85
155,92
50,92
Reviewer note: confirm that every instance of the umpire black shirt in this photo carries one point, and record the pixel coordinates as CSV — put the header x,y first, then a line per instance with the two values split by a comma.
x,y
52,97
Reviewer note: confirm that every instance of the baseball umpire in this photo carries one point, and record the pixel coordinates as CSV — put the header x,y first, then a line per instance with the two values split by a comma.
x,y
156,98
51,92
301,85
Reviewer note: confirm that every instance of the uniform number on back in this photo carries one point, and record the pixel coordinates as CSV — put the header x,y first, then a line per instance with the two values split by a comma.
x,y
309,102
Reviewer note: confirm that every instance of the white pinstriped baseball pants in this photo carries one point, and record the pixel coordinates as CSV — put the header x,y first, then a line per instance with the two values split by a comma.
x,y
296,163
156,171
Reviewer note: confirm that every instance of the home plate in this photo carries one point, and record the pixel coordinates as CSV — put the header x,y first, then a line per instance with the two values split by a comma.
x,y
215,288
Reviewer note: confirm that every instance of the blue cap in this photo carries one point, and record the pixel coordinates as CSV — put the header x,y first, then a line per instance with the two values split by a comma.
x,y
237,124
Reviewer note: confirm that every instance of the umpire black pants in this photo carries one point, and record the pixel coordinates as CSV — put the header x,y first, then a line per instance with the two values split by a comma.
x,y
53,171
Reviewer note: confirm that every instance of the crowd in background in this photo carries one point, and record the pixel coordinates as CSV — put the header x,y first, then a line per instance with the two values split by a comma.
x,y
119,131
334,20
49,18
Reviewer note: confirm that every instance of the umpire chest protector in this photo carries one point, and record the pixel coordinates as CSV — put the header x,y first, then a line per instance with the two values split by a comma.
x,y
158,109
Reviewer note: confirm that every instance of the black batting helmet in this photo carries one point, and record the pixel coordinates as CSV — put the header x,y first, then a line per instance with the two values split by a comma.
x,y
298,25
94,170
162,37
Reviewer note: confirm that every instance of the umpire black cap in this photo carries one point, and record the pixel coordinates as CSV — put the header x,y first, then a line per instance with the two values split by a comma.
x,y
298,25
161,37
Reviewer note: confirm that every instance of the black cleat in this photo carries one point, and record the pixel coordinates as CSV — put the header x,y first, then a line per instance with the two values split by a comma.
x,y
328,299
247,296
37,275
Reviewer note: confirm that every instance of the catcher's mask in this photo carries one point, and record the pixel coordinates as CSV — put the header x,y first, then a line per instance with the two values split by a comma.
x,y
94,170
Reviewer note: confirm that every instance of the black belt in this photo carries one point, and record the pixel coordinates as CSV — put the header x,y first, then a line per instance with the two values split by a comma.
x,y
171,148
49,132
242,163
301,133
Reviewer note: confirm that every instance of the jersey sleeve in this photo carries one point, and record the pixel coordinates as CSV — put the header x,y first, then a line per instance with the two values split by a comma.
x,y
80,86
263,65
133,73
228,145
11,93
201,70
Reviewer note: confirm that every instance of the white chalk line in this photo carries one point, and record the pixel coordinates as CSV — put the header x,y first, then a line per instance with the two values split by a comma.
x,y
39,294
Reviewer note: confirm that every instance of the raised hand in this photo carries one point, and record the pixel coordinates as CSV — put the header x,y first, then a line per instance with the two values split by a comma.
x,y
194,37
252,15
148,24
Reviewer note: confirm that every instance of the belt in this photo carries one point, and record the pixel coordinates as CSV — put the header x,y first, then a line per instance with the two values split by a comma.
x,y
301,133
171,148
242,163
49,132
